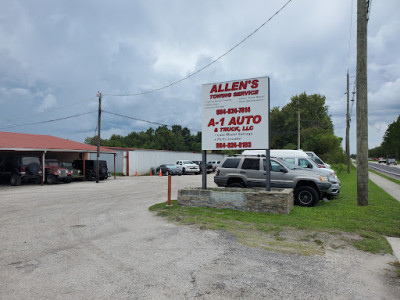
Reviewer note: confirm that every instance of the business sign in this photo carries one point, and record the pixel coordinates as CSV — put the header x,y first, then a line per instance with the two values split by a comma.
x,y
235,114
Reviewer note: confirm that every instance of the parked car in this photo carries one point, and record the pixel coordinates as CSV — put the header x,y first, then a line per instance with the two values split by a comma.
x,y
188,166
382,160
200,164
169,169
214,164
18,168
91,167
54,172
249,171
75,173
390,161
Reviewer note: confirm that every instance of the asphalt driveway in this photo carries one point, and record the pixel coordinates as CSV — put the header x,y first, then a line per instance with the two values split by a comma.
x,y
99,241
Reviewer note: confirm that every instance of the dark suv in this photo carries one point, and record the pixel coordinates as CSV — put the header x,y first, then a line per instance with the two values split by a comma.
x,y
91,167
249,171
20,167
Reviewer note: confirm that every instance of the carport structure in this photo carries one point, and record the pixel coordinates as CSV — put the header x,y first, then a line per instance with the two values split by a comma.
x,y
49,147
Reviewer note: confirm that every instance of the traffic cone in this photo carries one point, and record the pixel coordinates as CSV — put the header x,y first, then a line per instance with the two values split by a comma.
x,y
151,173
160,174
136,173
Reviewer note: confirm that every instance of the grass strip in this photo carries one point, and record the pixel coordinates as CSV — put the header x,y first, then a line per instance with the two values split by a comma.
x,y
385,176
364,227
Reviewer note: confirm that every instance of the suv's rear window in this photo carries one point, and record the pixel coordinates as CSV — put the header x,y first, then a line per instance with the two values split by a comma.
x,y
251,164
231,163
26,160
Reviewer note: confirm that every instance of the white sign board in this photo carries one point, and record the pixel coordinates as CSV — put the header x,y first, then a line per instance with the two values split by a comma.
x,y
235,114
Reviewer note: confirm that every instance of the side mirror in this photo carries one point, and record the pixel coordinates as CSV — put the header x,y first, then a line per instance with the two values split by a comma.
x,y
283,170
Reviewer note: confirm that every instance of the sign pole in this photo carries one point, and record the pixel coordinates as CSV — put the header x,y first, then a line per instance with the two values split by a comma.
x,y
204,167
267,152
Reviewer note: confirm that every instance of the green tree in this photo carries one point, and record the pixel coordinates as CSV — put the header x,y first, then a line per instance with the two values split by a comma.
x,y
316,127
391,140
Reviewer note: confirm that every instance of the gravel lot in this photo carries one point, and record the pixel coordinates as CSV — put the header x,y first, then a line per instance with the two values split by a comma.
x,y
99,241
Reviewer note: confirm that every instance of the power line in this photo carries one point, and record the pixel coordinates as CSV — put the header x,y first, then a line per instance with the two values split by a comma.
x,y
369,4
136,119
49,121
209,64
350,37
41,113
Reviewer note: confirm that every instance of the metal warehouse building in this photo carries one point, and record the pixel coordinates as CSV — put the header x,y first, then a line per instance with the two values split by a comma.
x,y
132,160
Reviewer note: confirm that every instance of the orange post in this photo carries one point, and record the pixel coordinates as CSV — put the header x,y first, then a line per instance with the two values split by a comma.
x,y
169,191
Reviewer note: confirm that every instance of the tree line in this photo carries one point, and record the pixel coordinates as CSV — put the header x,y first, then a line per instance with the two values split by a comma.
x,y
390,146
316,132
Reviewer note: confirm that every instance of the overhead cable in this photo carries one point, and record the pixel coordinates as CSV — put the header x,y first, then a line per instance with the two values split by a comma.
x,y
49,121
206,66
136,119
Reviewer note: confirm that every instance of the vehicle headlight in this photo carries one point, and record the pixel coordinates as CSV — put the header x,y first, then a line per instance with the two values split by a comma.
x,y
332,179
323,179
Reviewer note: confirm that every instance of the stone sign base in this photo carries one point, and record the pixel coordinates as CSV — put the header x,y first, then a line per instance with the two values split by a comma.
x,y
256,200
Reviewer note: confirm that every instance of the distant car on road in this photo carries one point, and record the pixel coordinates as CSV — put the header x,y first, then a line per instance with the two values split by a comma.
x,y
382,160
169,169
390,161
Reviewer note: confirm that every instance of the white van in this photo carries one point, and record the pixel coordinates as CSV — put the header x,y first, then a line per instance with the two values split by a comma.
x,y
277,153
301,159
319,161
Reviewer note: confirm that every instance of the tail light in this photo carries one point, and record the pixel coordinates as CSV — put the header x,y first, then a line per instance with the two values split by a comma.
x,y
216,172
22,170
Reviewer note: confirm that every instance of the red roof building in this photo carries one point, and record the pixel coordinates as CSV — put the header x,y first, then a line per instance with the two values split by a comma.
x,y
10,141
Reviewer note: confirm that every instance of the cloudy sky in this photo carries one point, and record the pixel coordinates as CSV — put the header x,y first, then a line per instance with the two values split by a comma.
x,y
55,55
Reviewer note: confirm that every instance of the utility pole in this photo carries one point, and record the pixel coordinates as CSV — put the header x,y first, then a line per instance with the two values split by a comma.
x,y
298,128
98,138
348,126
362,104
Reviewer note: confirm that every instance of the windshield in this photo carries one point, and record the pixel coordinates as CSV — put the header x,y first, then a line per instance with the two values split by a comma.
x,y
26,160
52,163
67,164
187,162
318,161
288,165
171,166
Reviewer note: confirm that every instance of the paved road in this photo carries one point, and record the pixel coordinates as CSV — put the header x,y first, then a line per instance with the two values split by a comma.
x,y
99,241
390,170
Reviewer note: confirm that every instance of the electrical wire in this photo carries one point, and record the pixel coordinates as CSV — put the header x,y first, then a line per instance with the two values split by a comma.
x,y
206,66
49,121
369,4
41,113
350,36
136,119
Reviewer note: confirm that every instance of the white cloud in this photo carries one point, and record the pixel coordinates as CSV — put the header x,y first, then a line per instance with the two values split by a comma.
x,y
62,52
48,102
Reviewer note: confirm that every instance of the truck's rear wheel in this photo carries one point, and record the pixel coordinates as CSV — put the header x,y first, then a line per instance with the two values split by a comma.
x,y
306,196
